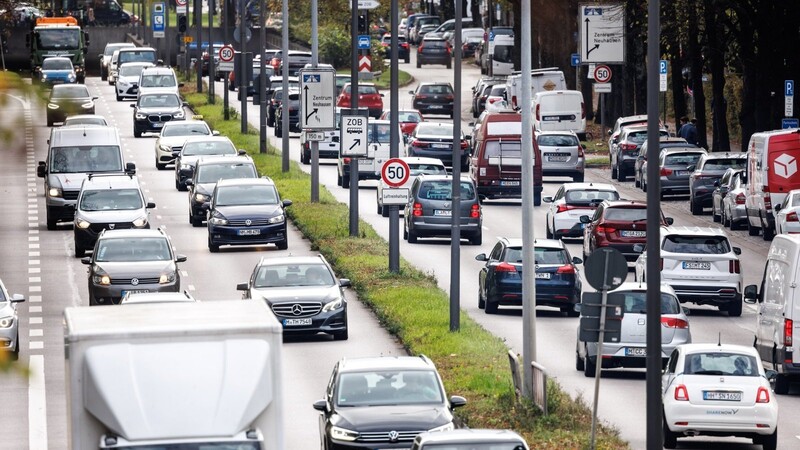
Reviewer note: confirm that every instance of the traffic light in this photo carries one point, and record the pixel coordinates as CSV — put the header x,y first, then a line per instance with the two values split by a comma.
x,y
182,23
362,24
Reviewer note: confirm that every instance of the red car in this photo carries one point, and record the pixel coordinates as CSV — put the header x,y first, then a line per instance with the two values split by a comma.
x,y
620,224
409,118
368,97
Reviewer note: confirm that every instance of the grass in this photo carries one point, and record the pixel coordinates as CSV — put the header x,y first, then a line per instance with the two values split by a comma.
x,y
410,305
383,81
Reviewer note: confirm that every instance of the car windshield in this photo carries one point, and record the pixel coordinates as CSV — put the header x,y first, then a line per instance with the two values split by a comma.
x,y
626,214
433,129
435,89
725,163
379,132
205,445
721,363
407,116
66,91
443,190
394,387
290,275
131,70
208,148
681,159
56,64
133,249
416,169
701,245
246,195
111,48
58,38
588,196
159,101
185,129
362,90
158,81
641,136
211,173
82,159
111,200
85,121
503,149
636,302
136,56
557,140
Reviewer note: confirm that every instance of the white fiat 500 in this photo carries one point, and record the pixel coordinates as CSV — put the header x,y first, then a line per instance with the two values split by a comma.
x,y
570,202
718,390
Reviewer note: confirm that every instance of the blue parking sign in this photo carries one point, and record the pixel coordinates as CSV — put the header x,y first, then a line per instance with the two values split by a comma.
x,y
662,67
789,88
575,60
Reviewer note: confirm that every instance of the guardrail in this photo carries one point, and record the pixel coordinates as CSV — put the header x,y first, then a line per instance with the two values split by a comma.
x,y
539,383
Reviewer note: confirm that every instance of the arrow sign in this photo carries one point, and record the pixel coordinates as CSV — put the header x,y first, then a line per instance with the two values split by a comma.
x,y
356,142
354,135
365,4
318,102
603,34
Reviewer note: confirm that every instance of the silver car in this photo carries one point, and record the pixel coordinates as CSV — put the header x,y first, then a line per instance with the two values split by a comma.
x,y
562,154
9,321
631,350
733,213
676,165
428,211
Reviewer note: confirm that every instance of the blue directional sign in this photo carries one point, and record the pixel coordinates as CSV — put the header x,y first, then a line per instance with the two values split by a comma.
x,y
789,88
158,20
363,42
311,78
593,11
662,67
790,123
575,59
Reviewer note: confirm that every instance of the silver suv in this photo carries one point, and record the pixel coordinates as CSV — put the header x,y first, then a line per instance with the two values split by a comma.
x,y
108,202
562,154
428,211
131,261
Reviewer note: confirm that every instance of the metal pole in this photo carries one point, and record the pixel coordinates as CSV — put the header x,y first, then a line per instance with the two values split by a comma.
x,y
198,23
225,104
211,54
490,68
144,23
354,107
394,143
528,240
243,76
599,352
285,84
262,85
455,231
653,384
167,35
314,144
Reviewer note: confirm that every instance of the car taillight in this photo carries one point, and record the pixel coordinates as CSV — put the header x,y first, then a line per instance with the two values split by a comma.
x,y
505,267
626,147
464,145
419,96
767,198
568,269
734,267
672,322
563,208
791,217
581,154
404,45
537,112
421,46
346,160
661,264
605,229
740,198
763,395
475,211
681,393
492,100
666,172
419,144
514,100
788,327
417,210
448,97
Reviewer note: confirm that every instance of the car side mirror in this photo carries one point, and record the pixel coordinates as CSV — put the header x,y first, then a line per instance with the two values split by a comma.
x,y
180,258
481,257
241,152
737,250
547,199
185,104
189,183
344,282
321,405
686,311
777,207
214,133
287,203
609,132
691,168
17,298
180,85
457,401
130,168
670,220
411,92
585,219
771,375
86,261
242,286
472,124
176,153
638,248
716,183
133,105
150,205
41,169
751,294
576,260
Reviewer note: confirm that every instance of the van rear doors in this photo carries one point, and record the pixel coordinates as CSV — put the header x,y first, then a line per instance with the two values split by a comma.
x,y
559,111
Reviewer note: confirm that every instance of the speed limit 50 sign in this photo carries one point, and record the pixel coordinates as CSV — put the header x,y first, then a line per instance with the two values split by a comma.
x,y
395,172
602,73
225,59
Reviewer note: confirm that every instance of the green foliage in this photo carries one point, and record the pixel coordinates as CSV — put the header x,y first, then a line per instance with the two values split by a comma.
x,y
334,46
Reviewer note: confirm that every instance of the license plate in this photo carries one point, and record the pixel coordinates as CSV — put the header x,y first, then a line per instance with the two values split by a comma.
x,y
440,145
436,106
631,233
558,158
682,173
509,183
249,232
635,351
296,322
696,265
722,395
443,212
135,291
543,276
158,125
551,118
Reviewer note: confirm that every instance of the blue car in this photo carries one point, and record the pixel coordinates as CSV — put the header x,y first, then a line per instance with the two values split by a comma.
x,y
558,281
57,70
246,211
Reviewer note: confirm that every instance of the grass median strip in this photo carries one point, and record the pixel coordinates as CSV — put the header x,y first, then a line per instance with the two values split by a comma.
x,y
410,305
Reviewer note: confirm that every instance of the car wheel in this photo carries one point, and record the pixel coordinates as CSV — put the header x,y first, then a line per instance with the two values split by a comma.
x,y
481,300
537,199
51,223
79,252
340,336
578,360
670,438
211,246
119,98
15,352
195,221
49,121
768,233
695,208
278,131
548,233
160,166
636,182
735,309
136,132
781,384
405,233
751,230
613,172
412,237
644,185
589,366
407,60
714,216
477,239
103,75
770,441
346,181
491,307
578,178
338,180
621,175
384,211
419,64
570,311
283,245
449,65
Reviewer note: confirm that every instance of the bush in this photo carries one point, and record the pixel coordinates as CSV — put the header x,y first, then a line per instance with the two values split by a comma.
x,y
335,46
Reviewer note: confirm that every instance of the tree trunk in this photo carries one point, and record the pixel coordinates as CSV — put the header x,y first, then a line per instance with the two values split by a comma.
x,y
475,9
716,57
696,76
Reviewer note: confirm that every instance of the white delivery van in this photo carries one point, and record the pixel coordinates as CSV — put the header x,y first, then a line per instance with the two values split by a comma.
x,y
773,160
189,375
502,56
779,310
559,110
549,79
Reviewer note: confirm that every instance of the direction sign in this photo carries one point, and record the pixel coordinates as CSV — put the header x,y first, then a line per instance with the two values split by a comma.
x,y
353,135
363,42
602,30
180,6
225,59
790,123
365,4
602,73
158,20
318,99
395,172
575,60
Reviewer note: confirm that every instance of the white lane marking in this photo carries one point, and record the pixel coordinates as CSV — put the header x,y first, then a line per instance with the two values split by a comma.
x,y
35,309
191,287
34,270
33,231
34,262
34,298
36,345
37,404
33,246
34,279
33,238
35,321
36,332
35,289
33,254
184,273
33,218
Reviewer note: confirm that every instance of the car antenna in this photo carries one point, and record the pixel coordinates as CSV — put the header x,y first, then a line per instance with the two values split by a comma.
x,y
719,339
84,131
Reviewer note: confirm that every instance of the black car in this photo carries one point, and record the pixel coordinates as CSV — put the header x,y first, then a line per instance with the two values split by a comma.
x,y
207,172
68,100
383,402
293,105
403,49
245,212
303,292
708,170
273,104
433,98
481,91
198,147
297,61
558,281
435,140
434,50
151,111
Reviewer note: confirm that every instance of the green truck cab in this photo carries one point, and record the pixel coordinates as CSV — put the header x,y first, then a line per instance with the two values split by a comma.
x,y
58,36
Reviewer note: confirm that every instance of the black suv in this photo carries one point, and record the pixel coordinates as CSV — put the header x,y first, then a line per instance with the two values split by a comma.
x,y
433,98
383,402
151,111
433,50
293,102
709,170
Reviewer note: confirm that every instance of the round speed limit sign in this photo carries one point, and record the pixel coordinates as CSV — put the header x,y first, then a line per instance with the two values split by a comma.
x,y
395,172
602,74
226,53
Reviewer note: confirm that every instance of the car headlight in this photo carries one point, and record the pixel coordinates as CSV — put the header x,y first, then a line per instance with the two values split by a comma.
x,y
54,192
179,115
82,224
446,427
218,220
277,219
44,76
140,222
334,305
166,278
87,105
165,148
343,434
52,106
202,198
140,116
71,78
103,280
6,322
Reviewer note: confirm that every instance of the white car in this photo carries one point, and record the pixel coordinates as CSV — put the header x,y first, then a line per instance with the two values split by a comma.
x,y
416,166
570,202
127,79
718,390
786,220
701,265
174,135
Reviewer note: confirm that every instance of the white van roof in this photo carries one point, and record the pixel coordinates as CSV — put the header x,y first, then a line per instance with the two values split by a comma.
x,y
785,247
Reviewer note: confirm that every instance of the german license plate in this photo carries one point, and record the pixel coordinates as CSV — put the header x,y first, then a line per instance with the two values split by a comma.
x,y
635,351
542,275
509,183
435,106
443,212
682,173
135,291
296,322
727,396
558,158
694,265
158,125
633,233
551,118
249,232
440,145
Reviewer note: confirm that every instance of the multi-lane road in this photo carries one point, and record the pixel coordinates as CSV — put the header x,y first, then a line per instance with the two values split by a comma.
x,y
38,264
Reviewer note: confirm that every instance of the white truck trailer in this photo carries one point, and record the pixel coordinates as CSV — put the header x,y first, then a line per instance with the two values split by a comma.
x,y
548,79
186,376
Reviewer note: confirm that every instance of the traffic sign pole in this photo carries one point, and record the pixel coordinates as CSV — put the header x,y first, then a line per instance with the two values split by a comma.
x,y
211,95
354,109
394,140
314,144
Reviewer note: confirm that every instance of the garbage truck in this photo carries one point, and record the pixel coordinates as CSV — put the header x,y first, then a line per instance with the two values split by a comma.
x,y
185,375
58,36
